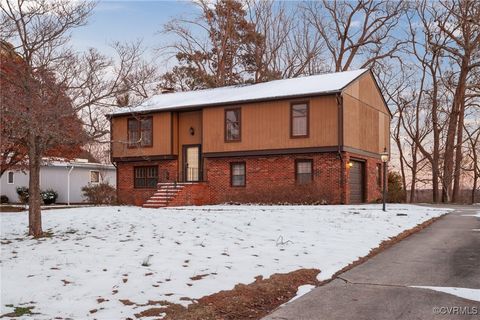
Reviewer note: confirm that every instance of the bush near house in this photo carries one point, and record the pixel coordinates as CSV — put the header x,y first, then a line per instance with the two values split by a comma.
x,y
22,194
48,196
396,194
3,199
101,193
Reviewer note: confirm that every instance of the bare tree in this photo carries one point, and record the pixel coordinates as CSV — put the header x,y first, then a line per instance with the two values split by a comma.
x,y
356,33
459,23
53,76
289,46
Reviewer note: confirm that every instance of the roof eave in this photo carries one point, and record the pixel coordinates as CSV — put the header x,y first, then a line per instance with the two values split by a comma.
x,y
218,104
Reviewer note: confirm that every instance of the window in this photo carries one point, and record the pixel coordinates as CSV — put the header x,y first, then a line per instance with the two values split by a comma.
x,y
303,171
299,120
94,176
146,177
140,133
233,124
237,174
379,175
10,177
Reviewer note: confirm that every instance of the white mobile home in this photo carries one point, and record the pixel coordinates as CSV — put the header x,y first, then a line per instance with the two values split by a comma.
x,y
67,178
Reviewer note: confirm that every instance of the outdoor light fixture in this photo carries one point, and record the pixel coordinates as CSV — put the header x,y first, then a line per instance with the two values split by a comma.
x,y
349,164
192,131
384,158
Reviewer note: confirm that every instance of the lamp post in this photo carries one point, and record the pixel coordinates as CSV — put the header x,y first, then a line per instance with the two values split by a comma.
x,y
384,157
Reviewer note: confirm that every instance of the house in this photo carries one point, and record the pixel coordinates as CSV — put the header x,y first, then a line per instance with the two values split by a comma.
x,y
67,178
304,140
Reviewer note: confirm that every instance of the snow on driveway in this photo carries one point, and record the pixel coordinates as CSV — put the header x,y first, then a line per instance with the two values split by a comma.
x,y
139,254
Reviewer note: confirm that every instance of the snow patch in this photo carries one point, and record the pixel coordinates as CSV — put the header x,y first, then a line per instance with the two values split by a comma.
x,y
465,293
301,291
316,84
98,256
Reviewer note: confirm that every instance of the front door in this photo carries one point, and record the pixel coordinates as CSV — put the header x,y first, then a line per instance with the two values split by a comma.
x,y
191,163
357,182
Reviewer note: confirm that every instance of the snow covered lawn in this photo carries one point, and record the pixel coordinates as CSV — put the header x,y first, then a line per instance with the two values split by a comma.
x,y
115,253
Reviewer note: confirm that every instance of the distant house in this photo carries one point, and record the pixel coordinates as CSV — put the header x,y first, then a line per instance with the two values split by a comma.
x,y
65,177
304,140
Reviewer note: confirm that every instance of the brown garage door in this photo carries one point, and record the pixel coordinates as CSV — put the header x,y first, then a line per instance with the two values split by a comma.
x,y
356,182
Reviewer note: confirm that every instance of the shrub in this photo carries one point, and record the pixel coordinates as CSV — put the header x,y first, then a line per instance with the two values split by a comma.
x,y
49,196
3,199
395,188
22,194
101,193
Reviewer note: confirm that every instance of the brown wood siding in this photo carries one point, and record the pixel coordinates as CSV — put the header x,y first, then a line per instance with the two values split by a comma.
x,y
361,125
161,137
366,118
266,125
365,90
187,120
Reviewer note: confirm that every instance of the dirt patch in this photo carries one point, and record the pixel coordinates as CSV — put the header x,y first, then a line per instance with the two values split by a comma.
x,y
11,209
245,301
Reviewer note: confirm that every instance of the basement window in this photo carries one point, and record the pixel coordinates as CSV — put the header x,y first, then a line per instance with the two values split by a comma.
x,y
237,174
145,177
304,171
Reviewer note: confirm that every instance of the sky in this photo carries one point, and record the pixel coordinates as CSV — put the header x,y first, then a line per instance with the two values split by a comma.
x,y
128,21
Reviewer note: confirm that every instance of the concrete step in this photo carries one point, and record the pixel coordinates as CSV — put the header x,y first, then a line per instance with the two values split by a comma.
x,y
154,205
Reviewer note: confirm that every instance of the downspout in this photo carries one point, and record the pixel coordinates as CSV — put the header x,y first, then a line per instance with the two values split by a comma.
x,y
68,184
339,99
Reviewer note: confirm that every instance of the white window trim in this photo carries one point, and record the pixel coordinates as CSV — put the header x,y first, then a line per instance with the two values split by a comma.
x,y
99,178
8,177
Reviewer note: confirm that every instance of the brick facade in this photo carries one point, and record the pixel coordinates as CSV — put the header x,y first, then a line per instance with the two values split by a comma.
x,y
269,179
373,191
127,194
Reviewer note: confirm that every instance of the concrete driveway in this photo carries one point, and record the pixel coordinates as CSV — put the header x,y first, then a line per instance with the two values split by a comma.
x,y
445,254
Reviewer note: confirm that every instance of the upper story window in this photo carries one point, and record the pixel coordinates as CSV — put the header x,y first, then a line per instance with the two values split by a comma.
x,y
299,119
94,177
304,171
233,124
145,177
140,133
10,177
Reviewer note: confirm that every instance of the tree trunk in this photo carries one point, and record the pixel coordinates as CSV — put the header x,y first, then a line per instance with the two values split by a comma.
x,y
458,155
34,201
474,188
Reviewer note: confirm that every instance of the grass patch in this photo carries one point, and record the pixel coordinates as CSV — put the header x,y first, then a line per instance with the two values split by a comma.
x,y
18,311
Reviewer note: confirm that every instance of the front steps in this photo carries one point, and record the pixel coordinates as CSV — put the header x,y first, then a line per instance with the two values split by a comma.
x,y
179,194
165,193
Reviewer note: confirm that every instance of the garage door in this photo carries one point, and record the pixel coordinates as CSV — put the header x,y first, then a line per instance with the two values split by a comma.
x,y
356,182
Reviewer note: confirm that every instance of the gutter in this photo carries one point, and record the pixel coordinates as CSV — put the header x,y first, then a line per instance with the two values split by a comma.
x,y
68,184
339,99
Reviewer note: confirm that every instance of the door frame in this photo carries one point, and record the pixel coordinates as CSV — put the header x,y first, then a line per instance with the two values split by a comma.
x,y
363,170
184,162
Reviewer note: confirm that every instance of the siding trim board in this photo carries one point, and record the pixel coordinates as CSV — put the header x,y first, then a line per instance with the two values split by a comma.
x,y
145,158
272,152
